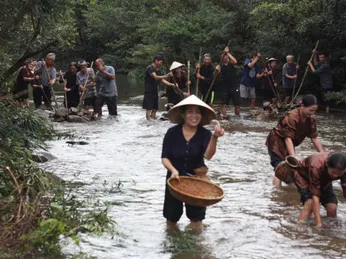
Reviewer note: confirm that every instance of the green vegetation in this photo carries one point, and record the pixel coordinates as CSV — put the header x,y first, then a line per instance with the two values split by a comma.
x,y
38,210
127,34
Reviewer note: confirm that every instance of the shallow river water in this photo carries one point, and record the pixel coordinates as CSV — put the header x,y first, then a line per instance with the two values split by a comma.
x,y
254,220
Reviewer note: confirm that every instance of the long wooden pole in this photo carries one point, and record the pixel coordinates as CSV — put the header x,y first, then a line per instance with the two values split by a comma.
x,y
188,77
85,83
295,80
215,75
306,71
198,69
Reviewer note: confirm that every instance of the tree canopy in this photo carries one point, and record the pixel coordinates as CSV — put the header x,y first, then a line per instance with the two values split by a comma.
x,y
127,34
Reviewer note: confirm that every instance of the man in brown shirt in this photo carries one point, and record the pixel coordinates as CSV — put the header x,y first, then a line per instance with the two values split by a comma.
x,y
314,181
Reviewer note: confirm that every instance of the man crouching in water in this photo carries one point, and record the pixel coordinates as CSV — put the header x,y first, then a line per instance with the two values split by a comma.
x,y
152,77
314,182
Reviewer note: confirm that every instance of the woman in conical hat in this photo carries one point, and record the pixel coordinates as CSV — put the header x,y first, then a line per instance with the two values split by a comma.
x,y
184,148
176,90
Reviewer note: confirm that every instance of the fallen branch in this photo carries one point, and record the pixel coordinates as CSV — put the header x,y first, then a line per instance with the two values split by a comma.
x,y
19,194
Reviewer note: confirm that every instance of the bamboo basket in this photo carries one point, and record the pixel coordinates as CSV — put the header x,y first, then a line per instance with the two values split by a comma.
x,y
195,191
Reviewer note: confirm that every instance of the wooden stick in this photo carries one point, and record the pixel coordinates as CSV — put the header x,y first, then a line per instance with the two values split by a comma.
x,y
199,69
274,89
85,83
66,104
188,77
306,71
295,80
19,193
215,75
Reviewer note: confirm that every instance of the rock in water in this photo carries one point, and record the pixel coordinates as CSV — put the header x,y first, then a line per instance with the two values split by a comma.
x,y
75,118
61,112
44,113
74,110
41,157
59,119
72,142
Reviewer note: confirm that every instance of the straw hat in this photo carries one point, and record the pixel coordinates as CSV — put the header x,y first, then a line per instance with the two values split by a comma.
x,y
208,113
175,65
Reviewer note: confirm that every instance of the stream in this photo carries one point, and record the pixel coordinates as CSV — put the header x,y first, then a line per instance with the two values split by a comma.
x,y
122,166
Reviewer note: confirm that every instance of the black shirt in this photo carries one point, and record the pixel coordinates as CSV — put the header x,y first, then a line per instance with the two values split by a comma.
x,y
173,97
184,155
71,81
207,72
229,75
150,83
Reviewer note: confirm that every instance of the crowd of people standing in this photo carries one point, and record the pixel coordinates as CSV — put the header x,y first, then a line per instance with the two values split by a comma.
x,y
83,87
233,90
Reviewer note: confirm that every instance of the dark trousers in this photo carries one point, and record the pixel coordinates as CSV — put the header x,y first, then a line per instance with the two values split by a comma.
x,y
111,104
40,94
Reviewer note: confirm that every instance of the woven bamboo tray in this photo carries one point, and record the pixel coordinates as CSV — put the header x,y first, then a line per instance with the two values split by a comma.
x,y
195,191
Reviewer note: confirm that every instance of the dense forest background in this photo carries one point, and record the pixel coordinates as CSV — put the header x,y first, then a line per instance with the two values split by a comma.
x,y
128,33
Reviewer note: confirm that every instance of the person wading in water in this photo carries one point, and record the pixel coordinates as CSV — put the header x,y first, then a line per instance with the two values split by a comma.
x,y
289,77
231,90
108,92
325,72
290,132
270,80
247,83
206,74
175,93
70,85
152,77
85,77
47,77
184,148
313,179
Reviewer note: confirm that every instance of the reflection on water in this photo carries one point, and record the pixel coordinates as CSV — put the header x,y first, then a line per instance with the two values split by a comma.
x,y
122,166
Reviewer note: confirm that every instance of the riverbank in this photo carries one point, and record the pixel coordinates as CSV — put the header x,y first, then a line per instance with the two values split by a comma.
x,y
38,209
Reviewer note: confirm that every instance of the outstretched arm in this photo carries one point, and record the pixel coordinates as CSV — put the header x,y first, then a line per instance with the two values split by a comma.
x,y
289,146
156,77
317,144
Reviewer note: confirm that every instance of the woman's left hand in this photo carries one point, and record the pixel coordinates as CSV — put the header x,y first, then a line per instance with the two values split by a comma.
x,y
218,131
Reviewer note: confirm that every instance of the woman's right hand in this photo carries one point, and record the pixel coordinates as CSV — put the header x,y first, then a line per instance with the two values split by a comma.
x,y
175,174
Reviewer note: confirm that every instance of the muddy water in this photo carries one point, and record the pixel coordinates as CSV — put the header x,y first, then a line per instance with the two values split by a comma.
x,y
122,166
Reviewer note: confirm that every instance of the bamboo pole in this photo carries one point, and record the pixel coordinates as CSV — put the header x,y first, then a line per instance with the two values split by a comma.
x,y
198,69
305,73
295,80
188,77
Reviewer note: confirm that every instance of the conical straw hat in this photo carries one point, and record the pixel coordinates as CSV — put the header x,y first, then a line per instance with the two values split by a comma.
x,y
175,65
208,113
